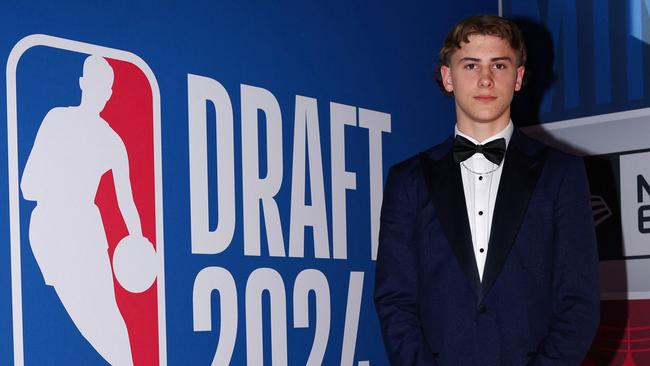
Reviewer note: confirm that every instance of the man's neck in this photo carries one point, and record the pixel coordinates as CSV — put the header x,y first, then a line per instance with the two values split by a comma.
x,y
482,131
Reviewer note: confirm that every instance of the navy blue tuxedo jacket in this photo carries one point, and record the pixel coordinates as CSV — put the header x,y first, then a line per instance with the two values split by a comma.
x,y
538,303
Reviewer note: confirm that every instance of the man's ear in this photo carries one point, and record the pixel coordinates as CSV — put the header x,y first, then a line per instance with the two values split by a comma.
x,y
520,77
447,82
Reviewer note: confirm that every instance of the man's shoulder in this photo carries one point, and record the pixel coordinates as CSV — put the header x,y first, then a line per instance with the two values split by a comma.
x,y
554,156
435,152
410,169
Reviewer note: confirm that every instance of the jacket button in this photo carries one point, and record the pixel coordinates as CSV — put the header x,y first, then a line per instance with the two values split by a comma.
x,y
482,309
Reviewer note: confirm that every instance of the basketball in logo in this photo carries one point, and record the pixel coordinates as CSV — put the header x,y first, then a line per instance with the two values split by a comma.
x,y
135,263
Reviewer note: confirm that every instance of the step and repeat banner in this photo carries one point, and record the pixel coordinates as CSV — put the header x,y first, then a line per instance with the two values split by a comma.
x,y
589,93
200,183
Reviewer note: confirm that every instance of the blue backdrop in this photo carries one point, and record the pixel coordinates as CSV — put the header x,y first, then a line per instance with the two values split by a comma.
x,y
368,55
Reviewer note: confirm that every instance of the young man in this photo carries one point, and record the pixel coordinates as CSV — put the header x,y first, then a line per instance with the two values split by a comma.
x,y
487,252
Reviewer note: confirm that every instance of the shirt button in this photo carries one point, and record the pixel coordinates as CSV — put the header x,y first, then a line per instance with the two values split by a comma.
x,y
482,309
480,177
480,213
481,250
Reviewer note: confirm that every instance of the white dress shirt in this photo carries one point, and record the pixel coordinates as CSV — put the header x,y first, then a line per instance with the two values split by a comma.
x,y
480,183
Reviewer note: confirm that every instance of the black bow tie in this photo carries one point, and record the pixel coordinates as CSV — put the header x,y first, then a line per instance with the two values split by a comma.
x,y
493,150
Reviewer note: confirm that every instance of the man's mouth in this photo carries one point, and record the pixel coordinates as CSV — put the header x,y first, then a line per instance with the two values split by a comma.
x,y
485,98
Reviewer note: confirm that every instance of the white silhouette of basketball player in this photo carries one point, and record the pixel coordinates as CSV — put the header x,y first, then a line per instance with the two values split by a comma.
x,y
74,147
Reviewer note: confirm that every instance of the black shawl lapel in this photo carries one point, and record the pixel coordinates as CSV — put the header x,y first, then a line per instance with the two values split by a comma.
x,y
446,189
522,167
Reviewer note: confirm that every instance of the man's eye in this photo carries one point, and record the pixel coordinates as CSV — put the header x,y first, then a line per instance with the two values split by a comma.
x,y
499,66
470,67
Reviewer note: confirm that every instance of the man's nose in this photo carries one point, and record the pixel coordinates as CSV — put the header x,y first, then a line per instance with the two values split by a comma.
x,y
485,80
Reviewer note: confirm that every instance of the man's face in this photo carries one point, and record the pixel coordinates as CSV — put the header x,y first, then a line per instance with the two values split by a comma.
x,y
483,75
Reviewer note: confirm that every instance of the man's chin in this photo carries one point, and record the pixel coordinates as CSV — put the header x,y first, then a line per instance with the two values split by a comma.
x,y
486,120
488,116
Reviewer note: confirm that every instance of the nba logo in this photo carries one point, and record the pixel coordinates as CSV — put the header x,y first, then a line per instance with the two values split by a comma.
x,y
86,218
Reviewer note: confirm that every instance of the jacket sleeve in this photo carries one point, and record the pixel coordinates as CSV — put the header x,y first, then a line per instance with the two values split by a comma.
x,y
576,299
396,279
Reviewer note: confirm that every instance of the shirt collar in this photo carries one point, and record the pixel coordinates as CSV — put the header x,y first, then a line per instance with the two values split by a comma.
x,y
506,133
